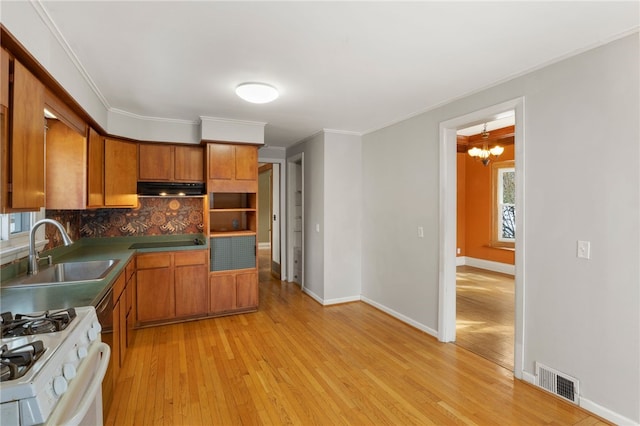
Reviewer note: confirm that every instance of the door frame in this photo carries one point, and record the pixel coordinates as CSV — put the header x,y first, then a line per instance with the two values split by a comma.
x,y
448,215
283,217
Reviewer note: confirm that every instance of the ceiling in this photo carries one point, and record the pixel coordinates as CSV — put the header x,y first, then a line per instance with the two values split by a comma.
x,y
348,66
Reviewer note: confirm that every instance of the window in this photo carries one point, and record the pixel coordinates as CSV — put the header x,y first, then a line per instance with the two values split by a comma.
x,y
14,234
504,207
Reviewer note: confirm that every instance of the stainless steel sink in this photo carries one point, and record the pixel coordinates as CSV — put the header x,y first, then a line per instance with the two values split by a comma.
x,y
67,273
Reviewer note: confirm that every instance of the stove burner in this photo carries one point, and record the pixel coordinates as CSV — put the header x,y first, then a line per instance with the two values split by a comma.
x,y
47,322
14,363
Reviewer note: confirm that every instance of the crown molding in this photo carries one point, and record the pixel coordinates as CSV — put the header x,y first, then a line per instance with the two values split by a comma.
x,y
55,31
156,119
232,121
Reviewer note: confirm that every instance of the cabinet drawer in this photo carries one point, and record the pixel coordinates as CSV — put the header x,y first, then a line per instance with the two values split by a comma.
x,y
191,257
155,260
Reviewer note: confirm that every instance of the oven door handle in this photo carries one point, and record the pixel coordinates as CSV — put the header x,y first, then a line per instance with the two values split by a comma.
x,y
99,353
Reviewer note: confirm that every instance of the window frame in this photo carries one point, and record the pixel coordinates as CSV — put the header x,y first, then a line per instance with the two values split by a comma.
x,y
496,213
16,246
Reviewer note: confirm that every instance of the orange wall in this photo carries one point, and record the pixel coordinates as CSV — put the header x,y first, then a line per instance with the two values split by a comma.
x,y
461,200
474,210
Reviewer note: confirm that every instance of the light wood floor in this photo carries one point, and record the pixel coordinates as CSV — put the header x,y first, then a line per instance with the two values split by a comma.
x,y
485,314
296,362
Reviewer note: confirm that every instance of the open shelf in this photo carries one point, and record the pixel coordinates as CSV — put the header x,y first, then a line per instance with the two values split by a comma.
x,y
232,201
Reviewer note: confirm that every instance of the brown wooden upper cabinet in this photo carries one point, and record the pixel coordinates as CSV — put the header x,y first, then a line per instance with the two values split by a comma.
x,y
23,172
120,166
66,156
232,168
170,163
66,169
110,178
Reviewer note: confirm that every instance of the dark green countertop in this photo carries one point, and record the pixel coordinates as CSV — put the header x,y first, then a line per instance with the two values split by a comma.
x,y
61,296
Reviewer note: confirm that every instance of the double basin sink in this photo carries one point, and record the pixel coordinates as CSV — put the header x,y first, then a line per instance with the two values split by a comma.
x,y
66,273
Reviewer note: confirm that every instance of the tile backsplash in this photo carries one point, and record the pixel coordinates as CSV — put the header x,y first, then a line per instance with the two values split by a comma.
x,y
153,216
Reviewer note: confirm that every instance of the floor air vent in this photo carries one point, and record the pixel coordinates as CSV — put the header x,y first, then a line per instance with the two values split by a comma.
x,y
557,383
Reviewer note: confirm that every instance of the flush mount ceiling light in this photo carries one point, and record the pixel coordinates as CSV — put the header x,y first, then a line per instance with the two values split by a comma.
x,y
257,93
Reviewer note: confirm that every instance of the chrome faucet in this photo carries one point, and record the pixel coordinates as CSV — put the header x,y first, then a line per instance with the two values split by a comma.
x,y
32,267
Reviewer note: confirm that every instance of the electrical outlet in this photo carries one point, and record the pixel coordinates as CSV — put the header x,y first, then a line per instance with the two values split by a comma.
x,y
584,249
420,232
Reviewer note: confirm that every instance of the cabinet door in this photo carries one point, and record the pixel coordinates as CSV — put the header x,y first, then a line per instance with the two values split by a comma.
x,y
66,167
95,169
115,348
221,159
120,173
246,290
27,140
189,164
131,308
246,163
155,162
122,324
223,293
191,290
4,78
154,295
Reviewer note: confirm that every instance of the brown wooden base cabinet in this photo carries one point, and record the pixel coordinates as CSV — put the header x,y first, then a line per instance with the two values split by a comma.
x,y
233,291
171,285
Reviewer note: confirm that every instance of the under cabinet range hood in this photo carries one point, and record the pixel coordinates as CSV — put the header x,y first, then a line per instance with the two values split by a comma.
x,y
170,189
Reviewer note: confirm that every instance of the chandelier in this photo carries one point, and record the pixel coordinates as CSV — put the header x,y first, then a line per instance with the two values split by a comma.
x,y
485,153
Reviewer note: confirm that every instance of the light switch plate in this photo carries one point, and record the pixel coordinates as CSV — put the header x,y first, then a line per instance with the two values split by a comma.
x,y
584,249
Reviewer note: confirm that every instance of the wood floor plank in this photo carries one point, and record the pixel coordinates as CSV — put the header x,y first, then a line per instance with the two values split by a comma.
x,y
295,362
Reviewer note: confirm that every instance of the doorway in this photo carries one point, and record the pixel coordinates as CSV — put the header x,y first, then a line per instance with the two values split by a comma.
x,y
269,218
448,219
485,239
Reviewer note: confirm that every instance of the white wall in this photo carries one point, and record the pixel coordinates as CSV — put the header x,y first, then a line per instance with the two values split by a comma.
x,y
582,178
342,217
332,202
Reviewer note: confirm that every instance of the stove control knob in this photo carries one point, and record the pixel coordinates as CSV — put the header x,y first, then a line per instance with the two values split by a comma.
x,y
69,371
92,334
96,326
59,385
82,352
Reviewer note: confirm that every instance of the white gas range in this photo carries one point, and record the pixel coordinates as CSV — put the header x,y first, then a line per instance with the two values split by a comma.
x,y
51,368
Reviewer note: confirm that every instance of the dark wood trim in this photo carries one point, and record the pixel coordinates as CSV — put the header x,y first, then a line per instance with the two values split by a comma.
x,y
504,136
265,167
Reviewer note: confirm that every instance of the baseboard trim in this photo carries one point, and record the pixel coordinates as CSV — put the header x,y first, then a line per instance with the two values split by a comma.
x,y
401,317
313,295
340,300
605,413
489,265
529,378
590,406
